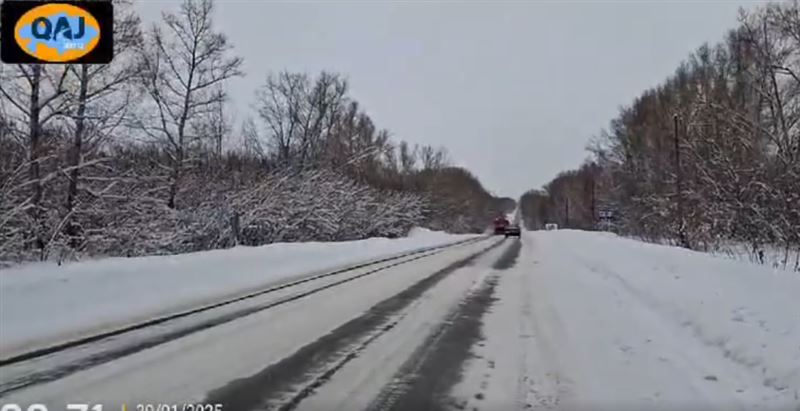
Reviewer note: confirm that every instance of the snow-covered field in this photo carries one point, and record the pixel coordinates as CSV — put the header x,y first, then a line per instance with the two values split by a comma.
x,y
594,321
42,302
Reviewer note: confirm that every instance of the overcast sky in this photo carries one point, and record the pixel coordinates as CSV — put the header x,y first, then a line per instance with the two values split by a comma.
x,y
514,90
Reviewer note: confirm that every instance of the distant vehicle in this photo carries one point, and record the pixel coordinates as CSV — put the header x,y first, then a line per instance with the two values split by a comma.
x,y
513,231
551,226
500,225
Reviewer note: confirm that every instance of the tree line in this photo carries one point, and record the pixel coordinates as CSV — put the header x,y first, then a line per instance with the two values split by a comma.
x,y
709,157
141,156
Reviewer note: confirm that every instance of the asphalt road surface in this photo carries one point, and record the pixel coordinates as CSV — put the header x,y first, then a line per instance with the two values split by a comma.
x,y
375,337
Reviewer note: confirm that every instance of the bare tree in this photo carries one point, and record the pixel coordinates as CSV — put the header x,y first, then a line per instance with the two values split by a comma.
x,y
433,158
407,158
303,119
35,95
185,63
104,96
251,140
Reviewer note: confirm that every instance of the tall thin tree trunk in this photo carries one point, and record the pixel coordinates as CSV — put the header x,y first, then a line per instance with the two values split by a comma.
x,y
593,204
178,170
176,174
34,154
77,146
678,186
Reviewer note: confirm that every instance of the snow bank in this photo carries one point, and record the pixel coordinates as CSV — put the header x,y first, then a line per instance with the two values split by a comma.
x,y
776,257
734,326
42,301
773,255
593,321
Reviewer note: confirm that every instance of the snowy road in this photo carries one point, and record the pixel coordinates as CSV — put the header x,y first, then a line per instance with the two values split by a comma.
x,y
304,329
561,320
591,321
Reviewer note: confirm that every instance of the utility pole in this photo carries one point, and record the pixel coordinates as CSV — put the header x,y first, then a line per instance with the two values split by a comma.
x,y
593,205
678,188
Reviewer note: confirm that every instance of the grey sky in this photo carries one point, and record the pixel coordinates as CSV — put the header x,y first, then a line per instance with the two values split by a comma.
x,y
514,90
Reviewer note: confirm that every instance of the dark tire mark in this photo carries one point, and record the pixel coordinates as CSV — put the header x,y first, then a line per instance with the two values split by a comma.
x,y
509,257
425,380
309,363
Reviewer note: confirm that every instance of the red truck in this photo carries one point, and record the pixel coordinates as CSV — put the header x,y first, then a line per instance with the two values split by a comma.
x,y
500,225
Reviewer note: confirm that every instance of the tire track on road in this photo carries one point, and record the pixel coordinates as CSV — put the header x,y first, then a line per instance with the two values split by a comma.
x,y
425,380
284,384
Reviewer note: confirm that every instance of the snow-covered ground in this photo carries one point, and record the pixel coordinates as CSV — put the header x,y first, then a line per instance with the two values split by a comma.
x,y
775,257
595,321
580,321
43,302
